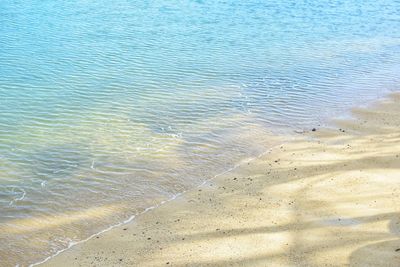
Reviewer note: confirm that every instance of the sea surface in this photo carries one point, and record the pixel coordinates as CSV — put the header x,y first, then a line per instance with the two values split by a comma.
x,y
108,108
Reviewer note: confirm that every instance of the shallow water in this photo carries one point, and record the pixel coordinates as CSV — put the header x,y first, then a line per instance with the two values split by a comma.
x,y
109,107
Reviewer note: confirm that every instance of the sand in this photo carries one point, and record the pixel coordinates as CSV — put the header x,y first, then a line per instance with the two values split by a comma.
x,y
330,197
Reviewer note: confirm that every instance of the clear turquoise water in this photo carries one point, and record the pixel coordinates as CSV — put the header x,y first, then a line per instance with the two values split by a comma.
x,y
109,107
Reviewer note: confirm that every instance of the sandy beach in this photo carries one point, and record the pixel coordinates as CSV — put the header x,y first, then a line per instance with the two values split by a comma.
x,y
330,197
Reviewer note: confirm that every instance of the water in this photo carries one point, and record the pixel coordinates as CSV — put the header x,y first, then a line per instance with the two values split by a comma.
x,y
110,107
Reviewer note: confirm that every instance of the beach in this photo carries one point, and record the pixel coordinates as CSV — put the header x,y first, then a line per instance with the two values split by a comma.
x,y
114,114
328,197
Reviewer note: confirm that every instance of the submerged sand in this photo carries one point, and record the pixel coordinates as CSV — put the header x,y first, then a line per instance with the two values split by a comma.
x,y
327,198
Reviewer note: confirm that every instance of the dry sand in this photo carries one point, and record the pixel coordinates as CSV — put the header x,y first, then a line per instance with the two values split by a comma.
x,y
328,198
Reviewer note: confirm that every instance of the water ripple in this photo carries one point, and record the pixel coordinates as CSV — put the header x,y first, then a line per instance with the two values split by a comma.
x,y
110,108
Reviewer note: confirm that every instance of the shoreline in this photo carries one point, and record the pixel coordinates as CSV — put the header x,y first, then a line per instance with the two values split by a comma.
x,y
136,237
158,205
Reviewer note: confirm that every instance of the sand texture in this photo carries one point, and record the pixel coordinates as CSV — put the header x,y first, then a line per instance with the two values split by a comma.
x,y
330,197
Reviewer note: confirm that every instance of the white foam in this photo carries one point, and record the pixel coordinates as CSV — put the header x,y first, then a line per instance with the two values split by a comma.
x,y
18,199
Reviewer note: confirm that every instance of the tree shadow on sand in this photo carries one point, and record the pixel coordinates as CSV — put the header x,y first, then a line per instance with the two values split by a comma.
x,y
338,209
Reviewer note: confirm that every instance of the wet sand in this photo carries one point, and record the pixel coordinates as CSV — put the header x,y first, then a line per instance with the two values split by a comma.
x,y
330,197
